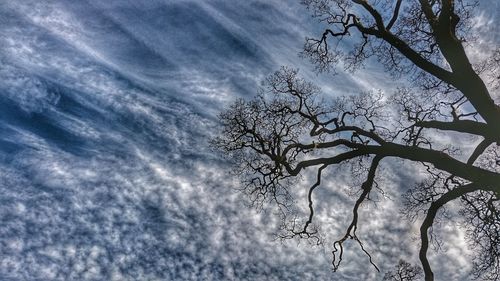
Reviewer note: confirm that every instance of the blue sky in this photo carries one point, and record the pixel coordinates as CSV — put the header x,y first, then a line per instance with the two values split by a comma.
x,y
105,112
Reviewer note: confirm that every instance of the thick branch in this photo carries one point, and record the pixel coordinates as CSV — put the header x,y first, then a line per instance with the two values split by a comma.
x,y
481,147
463,126
429,220
325,161
447,14
375,14
464,77
394,15
416,58
355,129
429,14
401,45
323,145
488,179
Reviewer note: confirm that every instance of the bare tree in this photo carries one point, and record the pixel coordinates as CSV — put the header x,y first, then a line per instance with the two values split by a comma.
x,y
290,127
404,271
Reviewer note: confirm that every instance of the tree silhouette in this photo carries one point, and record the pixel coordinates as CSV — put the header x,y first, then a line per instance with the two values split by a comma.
x,y
290,127
404,272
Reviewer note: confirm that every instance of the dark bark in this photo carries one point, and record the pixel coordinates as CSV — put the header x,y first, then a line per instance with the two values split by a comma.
x,y
429,220
267,137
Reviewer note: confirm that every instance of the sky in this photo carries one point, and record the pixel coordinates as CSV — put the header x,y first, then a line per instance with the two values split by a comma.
x,y
106,109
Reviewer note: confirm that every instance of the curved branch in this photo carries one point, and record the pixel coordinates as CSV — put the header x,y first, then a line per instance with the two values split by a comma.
x,y
429,220
373,12
416,58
